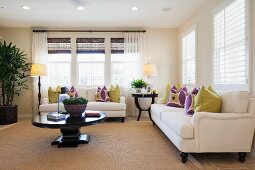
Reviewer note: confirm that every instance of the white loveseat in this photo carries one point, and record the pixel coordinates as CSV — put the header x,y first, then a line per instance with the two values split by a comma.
x,y
231,130
112,109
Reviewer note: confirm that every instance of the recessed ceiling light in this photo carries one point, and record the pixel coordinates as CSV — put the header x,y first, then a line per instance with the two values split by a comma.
x,y
134,8
26,7
80,8
166,9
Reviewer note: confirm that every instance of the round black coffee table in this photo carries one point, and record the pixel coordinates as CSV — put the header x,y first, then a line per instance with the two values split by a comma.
x,y
70,128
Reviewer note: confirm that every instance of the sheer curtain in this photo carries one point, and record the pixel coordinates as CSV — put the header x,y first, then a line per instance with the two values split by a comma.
x,y
134,50
39,55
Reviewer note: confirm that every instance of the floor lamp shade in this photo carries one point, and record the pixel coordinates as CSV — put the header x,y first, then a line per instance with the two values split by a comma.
x,y
38,70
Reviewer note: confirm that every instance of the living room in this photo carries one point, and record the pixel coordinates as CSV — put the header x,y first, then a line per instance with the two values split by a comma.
x,y
169,32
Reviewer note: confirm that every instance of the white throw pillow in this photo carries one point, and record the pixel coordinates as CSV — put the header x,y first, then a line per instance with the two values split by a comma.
x,y
91,94
234,102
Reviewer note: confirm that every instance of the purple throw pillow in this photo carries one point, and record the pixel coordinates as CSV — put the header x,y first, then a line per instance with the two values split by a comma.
x,y
190,101
102,95
73,92
177,98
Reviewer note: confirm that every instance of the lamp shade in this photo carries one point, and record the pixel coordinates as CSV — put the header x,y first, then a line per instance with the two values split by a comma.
x,y
149,69
38,70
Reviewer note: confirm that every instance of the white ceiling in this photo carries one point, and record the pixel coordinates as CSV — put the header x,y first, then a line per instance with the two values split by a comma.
x,y
97,13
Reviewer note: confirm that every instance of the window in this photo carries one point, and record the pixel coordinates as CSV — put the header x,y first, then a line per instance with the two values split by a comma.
x,y
59,61
91,60
124,67
231,46
189,57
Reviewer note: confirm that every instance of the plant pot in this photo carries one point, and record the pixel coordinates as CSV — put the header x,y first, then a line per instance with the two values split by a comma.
x,y
138,90
75,110
8,114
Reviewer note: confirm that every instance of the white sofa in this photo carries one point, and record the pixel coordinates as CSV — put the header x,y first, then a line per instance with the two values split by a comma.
x,y
231,130
111,109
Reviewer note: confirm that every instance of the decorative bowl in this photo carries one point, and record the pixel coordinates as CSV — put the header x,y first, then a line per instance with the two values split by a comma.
x,y
75,110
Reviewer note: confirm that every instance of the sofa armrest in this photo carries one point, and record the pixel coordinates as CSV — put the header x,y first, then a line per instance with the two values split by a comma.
x,y
223,132
122,99
160,101
45,101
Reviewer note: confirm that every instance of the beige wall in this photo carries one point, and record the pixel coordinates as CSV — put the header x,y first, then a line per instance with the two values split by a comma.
x,y
161,49
22,39
203,19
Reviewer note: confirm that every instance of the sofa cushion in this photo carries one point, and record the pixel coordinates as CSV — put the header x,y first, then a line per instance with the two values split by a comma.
x,y
91,94
179,123
176,98
103,106
82,91
100,106
114,94
157,109
53,94
102,95
52,107
234,102
207,101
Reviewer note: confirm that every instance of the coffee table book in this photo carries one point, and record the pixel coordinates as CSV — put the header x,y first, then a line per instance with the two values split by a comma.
x,y
55,116
90,113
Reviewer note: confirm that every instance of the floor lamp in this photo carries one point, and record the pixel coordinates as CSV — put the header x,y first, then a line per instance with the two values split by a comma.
x,y
38,70
149,70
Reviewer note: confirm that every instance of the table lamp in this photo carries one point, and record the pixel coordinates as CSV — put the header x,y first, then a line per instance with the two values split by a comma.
x,y
149,70
38,70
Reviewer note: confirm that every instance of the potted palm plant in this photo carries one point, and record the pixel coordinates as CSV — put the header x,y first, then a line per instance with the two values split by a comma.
x,y
14,71
138,84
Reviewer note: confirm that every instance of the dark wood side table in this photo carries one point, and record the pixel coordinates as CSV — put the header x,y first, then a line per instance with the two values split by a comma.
x,y
137,96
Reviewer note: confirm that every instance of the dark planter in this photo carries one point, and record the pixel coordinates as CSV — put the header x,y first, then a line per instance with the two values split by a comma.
x,y
75,110
8,114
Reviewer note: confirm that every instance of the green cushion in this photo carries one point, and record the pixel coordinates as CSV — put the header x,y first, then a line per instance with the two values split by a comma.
x,y
207,101
114,94
165,96
53,94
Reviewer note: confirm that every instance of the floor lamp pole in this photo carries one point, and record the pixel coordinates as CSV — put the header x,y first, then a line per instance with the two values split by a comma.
x,y
39,94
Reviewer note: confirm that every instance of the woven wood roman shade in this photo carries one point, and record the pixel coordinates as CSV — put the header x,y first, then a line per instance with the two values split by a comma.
x,y
59,45
117,45
90,45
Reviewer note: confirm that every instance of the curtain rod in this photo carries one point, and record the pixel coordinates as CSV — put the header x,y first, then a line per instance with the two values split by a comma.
x,y
89,31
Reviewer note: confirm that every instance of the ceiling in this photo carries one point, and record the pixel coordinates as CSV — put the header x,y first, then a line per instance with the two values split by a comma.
x,y
97,13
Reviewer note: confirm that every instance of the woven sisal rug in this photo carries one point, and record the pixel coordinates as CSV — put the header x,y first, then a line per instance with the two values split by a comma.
x,y
122,146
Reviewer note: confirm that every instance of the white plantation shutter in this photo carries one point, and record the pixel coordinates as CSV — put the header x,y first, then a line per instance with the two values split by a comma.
x,y
230,46
189,58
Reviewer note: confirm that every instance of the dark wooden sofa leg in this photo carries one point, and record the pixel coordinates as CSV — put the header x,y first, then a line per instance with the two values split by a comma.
x,y
153,123
122,119
184,156
242,156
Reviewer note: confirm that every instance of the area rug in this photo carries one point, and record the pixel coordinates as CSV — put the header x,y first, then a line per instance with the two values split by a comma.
x,y
122,146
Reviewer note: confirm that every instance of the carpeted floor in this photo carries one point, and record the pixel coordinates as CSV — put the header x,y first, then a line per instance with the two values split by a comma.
x,y
131,145
113,145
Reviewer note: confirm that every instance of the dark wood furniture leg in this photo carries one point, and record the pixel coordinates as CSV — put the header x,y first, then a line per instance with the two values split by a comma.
x,y
149,109
242,156
138,107
122,119
39,94
71,137
184,156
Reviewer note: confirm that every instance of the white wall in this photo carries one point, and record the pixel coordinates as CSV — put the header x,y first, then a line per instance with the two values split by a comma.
x,y
22,39
203,19
161,49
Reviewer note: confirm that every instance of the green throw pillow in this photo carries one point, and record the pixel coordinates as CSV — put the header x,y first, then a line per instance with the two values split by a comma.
x,y
53,94
114,94
167,89
207,101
